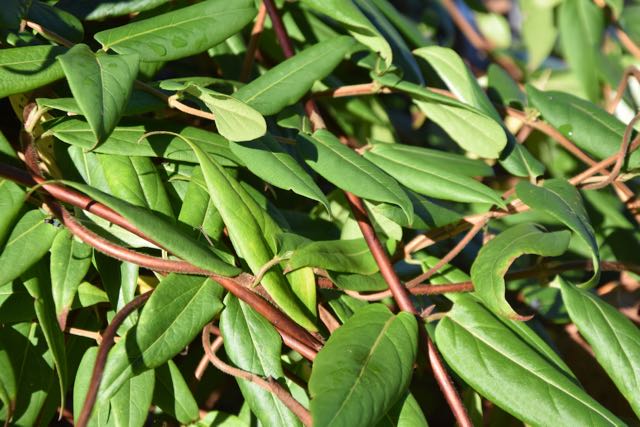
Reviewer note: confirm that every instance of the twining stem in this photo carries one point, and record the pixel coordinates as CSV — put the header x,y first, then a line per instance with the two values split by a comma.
x,y
268,384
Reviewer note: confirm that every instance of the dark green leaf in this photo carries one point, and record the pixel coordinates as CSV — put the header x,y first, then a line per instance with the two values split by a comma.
x,y
288,81
405,413
101,84
183,32
29,241
359,282
480,348
172,394
130,405
176,311
101,9
11,201
494,259
562,201
57,21
615,340
364,368
343,167
345,256
254,345
26,68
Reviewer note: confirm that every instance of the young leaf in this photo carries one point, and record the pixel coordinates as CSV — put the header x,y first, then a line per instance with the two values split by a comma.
x,y
252,231
581,28
348,15
494,259
101,84
364,368
288,81
615,340
172,394
70,261
589,126
254,345
162,231
439,183
343,167
345,256
235,120
11,201
562,201
183,32
26,68
175,313
480,348
29,241
267,159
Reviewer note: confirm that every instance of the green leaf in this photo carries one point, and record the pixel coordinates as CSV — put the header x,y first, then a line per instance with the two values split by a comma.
x,y
81,387
235,120
253,344
37,282
165,233
426,179
101,84
364,368
108,8
198,210
562,201
505,88
57,21
29,241
345,256
288,81
130,141
480,348
26,68
183,32
538,31
581,25
136,180
12,13
494,259
130,405
359,282
172,394
405,413
70,261
175,313
349,16
252,232
267,159
11,201
615,340
344,168
591,128
426,213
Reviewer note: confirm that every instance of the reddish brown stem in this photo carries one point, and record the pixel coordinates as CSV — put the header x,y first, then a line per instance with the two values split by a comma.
x,y
256,32
103,352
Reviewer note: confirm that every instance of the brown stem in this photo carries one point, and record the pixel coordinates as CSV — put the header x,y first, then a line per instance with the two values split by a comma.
x,y
626,41
622,86
103,351
256,32
268,384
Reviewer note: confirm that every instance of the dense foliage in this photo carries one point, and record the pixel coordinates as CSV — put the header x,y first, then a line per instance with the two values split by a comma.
x,y
319,212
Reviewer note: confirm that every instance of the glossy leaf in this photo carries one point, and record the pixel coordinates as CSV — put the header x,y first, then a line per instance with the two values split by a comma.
x,y
372,354
480,348
252,232
562,201
288,81
581,27
172,394
615,340
27,243
590,127
341,166
183,32
349,16
164,232
425,179
344,256
70,261
494,259
11,201
101,84
130,141
26,68
175,313
235,120
267,159
253,344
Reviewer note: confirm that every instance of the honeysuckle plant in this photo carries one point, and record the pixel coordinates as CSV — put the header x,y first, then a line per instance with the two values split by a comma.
x,y
319,212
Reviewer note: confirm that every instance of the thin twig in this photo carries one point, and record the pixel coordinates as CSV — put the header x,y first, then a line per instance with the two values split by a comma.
x,y
103,351
268,384
256,32
631,71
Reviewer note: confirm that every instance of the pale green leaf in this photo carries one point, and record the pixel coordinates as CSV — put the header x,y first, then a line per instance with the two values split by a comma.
x,y
344,256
